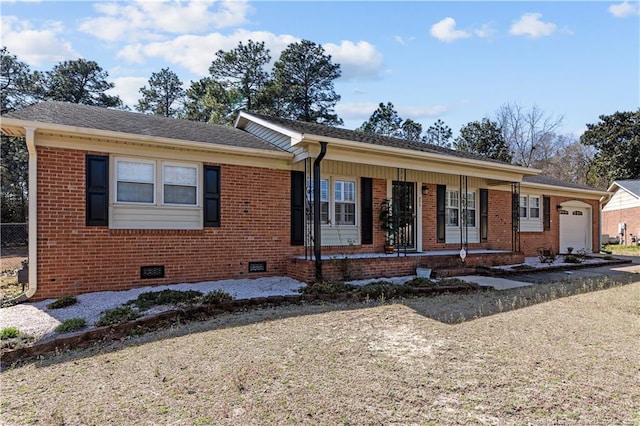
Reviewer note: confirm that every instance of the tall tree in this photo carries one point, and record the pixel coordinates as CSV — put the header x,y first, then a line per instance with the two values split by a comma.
x,y
243,69
384,121
79,81
483,138
530,133
438,134
616,138
164,91
571,162
207,100
306,75
16,82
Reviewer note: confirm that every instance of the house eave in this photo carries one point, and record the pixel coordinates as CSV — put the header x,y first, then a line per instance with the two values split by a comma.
x,y
16,127
592,193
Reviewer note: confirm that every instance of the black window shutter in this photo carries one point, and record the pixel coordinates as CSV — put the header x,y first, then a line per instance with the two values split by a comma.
x,y
97,190
484,214
441,193
546,206
297,208
211,192
366,219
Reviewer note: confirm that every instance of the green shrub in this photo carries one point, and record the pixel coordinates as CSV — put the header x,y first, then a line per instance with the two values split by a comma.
x,y
9,333
216,297
63,302
117,315
328,287
457,282
421,282
573,258
165,297
71,324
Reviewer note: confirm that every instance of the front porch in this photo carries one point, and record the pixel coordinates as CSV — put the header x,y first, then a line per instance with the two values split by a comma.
x,y
339,267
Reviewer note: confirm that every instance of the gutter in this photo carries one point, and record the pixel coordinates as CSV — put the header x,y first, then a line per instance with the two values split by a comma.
x,y
317,231
33,211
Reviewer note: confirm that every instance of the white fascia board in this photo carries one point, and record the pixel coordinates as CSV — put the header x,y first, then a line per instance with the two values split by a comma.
x,y
594,193
623,188
132,137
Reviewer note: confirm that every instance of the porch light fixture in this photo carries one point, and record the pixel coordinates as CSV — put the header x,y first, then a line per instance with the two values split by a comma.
x,y
558,207
425,189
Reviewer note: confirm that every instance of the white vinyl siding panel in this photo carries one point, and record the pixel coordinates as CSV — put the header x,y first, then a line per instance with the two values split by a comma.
x,y
340,235
155,217
621,200
453,235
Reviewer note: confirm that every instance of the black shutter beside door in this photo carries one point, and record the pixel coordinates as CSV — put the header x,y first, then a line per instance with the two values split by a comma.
x,y
297,208
366,219
441,193
546,207
484,214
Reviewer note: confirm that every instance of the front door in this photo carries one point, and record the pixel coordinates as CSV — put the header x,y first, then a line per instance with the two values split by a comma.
x,y
404,202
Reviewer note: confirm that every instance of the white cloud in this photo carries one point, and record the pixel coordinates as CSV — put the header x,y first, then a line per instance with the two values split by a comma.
x,y
530,25
145,20
624,9
485,31
128,88
36,46
196,52
357,60
445,30
422,112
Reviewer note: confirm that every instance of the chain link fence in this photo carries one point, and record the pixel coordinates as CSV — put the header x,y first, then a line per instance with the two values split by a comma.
x,y
14,239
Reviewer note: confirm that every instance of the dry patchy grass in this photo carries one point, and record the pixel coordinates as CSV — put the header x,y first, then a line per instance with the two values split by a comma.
x,y
573,360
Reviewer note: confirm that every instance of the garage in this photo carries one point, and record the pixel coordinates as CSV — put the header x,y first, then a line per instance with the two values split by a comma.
x,y
575,227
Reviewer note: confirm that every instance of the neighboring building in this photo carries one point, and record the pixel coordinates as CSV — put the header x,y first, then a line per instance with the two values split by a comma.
x,y
621,212
121,200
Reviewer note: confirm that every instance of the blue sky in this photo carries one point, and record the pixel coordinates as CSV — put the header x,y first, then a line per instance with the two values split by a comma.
x,y
454,61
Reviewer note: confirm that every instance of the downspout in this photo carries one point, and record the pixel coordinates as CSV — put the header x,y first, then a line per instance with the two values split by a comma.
x,y
317,240
33,211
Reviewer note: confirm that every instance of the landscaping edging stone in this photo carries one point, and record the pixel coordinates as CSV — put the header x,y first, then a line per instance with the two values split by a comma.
x,y
85,338
497,272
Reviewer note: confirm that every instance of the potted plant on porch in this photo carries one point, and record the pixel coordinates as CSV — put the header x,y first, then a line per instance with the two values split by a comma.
x,y
388,224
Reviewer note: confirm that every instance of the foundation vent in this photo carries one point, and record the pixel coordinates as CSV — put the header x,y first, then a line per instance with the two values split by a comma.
x,y
155,271
257,267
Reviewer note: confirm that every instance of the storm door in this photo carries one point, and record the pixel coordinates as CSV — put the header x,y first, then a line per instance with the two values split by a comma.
x,y
404,207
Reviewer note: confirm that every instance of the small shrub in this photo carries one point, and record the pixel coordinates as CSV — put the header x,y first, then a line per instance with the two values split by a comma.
x,y
9,333
421,282
573,258
71,324
63,302
328,287
117,315
165,297
458,283
547,255
216,297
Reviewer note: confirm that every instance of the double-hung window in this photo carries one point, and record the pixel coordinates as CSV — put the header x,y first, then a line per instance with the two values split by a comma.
x,y
345,202
135,181
530,207
156,182
180,184
455,211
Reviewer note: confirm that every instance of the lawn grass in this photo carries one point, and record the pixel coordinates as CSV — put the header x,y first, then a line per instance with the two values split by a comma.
x,y
476,358
622,250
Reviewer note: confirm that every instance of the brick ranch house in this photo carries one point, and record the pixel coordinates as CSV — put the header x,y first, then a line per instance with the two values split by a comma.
x,y
121,200
622,207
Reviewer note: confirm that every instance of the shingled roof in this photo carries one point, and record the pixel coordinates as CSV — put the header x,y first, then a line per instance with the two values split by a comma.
x,y
547,180
91,117
632,186
327,131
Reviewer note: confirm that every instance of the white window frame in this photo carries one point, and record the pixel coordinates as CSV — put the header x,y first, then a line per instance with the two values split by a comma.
x,y
197,182
117,180
329,200
343,201
529,207
158,181
458,206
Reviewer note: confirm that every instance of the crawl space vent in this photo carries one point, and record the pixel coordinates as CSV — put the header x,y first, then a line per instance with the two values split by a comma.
x,y
257,266
156,271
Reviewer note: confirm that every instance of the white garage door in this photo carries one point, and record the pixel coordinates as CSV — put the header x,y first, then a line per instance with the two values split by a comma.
x,y
575,223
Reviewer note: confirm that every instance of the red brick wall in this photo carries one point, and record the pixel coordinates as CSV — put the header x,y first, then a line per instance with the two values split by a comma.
x,y
74,258
611,219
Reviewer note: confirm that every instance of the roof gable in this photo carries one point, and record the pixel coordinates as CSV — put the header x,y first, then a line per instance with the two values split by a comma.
x,y
632,186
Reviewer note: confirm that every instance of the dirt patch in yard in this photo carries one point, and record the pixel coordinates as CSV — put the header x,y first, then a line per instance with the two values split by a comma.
x,y
573,360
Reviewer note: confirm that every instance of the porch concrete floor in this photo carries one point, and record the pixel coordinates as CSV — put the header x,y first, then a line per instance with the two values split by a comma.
x,y
402,254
